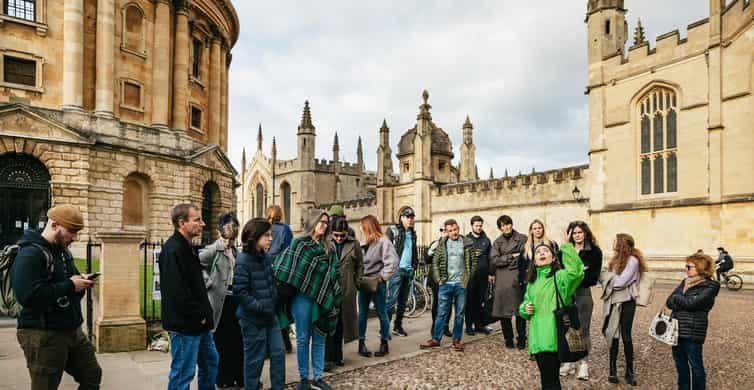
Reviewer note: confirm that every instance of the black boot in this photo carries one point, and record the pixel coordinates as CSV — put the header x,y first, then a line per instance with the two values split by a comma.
x,y
285,332
384,350
612,377
630,366
363,351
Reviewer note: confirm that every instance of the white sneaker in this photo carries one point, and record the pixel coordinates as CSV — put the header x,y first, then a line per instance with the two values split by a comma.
x,y
583,371
567,369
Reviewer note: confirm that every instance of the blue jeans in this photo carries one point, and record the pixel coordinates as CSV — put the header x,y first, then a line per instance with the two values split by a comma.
x,y
302,315
187,352
400,284
447,294
689,354
378,298
257,340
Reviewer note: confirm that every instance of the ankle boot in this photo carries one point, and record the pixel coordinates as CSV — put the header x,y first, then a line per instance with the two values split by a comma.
x,y
363,351
384,350
612,377
630,366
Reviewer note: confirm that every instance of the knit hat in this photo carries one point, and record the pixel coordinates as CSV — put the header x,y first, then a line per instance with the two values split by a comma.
x,y
336,211
226,218
67,216
311,219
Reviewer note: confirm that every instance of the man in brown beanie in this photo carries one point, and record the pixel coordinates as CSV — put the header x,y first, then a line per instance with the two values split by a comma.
x,y
49,287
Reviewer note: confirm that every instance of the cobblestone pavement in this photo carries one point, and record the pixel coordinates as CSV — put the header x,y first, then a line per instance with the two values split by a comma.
x,y
486,364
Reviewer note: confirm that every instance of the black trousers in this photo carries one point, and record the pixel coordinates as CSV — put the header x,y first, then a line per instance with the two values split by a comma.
x,y
334,343
229,344
475,296
507,327
549,367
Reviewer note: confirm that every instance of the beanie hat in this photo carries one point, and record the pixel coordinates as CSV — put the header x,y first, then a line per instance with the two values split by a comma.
x,y
336,211
67,216
226,218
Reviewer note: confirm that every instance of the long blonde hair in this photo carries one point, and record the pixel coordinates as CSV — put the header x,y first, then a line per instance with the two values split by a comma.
x,y
623,249
531,241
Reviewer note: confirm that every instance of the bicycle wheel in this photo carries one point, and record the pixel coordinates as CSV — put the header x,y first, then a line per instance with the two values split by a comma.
x,y
734,282
421,300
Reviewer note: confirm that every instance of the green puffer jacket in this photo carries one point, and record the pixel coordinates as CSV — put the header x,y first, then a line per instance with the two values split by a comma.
x,y
543,335
440,261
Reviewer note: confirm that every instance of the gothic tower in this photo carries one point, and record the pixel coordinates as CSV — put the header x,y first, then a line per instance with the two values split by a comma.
x,y
468,153
306,139
384,158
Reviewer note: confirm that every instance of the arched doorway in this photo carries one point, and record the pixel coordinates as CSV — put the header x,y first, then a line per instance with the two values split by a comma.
x,y
24,195
210,210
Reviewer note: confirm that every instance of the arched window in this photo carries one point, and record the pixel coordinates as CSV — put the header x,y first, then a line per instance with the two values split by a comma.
x,y
133,29
285,191
210,211
261,200
135,209
658,164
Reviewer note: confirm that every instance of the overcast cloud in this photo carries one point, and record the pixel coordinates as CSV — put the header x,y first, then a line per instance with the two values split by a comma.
x,y
518,69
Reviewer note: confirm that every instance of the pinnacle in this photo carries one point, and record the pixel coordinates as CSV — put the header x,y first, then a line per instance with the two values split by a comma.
x,y
424,108
492,175
306,118
639,37
384,125
467,124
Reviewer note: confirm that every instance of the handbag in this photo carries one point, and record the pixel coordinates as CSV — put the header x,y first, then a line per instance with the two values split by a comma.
x,y
487,304
571,342
664,329
646,286
368,284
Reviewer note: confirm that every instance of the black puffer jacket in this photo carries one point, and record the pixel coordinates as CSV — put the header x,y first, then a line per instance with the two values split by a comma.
x,y
692,308
254,288
397,235
483,245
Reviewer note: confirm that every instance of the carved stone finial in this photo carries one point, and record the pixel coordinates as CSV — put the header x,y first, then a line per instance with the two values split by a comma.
x,y
336,144
384,126
639,37
424,108
492,175
306,118
467,124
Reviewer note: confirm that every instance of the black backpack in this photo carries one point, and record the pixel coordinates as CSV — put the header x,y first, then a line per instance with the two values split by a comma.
x,y
9,306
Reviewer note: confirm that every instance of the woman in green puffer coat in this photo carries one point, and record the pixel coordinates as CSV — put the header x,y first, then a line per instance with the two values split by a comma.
x,y
545,272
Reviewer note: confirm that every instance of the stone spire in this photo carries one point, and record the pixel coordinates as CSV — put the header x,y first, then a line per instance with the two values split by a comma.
x,y
359,155
492,175
384,158
639,37
424,108
259,138
274,150
506,172
336,149
468,170
243,162
306,120
467,131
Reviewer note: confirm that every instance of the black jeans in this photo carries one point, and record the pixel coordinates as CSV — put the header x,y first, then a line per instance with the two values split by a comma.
x,y
229,344
475,296
334,343
507,328
549,367
628,310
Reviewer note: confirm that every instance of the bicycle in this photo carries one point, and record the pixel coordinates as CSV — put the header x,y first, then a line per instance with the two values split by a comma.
x,y
733,282
419,296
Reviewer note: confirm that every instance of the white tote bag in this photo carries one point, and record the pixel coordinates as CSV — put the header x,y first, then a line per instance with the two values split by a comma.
x,y
664,329
646,287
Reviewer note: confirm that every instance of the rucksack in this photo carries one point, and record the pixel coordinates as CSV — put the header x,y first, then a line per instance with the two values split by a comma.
x,y
9,306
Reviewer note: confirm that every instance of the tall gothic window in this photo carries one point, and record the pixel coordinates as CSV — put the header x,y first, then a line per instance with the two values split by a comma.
x,y
285,191
261,200
658,142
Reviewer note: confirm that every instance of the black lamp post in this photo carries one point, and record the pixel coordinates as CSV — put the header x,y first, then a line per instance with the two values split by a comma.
x,y
576,193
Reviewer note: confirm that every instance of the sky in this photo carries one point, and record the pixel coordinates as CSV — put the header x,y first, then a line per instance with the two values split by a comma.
x,y
516,68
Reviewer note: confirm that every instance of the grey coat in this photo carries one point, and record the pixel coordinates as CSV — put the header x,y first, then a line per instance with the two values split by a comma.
x,y
351,266
216,281
504,266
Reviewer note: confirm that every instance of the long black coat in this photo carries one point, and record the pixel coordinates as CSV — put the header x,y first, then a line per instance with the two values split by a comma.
x,y
184,297
504,263
691,309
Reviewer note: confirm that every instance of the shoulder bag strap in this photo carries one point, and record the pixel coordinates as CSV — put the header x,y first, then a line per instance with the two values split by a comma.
x,y
559,301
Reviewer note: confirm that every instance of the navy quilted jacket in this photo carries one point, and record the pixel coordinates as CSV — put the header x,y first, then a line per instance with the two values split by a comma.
x,y
254,288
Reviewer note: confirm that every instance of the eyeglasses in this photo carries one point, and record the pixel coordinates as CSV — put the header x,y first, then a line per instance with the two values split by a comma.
x,y
339,235
690,266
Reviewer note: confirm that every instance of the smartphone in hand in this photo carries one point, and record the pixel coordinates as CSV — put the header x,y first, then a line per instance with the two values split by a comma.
x,y
93,276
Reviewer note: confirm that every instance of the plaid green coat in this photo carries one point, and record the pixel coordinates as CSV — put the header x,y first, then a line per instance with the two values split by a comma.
x,y
306,266
440,261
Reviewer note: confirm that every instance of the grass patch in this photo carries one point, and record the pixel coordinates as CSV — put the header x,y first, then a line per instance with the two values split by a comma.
x,y
81,266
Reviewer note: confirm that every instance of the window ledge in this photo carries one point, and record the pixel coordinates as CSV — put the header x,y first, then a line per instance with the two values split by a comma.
x,y
22,86
200,131
41,27
132,108
140,54
196,81
659,196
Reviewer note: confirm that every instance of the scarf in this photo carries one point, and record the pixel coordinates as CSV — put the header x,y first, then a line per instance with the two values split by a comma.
x,y
691,282
313,271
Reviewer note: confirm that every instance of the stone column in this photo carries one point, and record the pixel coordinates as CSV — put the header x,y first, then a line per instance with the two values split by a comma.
x,y
180,67
215,89
160,72
73,55
119,326
105,60
224,98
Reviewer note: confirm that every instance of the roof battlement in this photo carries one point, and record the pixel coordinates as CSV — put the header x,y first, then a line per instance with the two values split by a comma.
x,y
512,183
670,46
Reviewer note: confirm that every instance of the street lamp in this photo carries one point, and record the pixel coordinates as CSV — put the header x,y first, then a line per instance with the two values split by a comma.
x,y
576,193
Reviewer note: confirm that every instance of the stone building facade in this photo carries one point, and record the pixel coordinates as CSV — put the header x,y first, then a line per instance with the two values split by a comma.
x,y
669,138
117,106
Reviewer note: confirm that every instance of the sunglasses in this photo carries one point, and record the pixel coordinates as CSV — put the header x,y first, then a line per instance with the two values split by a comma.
x,y
689,266
339,235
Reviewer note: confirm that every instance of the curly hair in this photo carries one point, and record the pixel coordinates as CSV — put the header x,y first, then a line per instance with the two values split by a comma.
x,y
704,264
623,249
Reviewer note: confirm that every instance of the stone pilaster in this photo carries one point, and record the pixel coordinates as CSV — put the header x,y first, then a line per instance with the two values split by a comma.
x,y
119,326
180,67
105,60
215,89
73,55
160,72
224,98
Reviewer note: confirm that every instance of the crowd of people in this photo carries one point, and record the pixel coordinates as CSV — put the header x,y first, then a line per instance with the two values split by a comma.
x,y
229,306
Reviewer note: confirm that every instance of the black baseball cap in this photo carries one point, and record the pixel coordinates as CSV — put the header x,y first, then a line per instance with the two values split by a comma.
x,y
408,212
